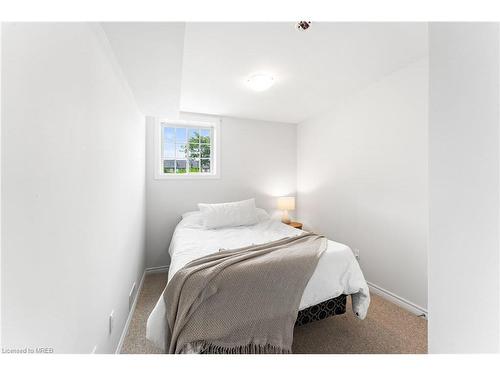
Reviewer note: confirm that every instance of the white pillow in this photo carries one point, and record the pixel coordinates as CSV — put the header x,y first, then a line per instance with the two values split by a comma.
x,y
230,214
262,215
194,219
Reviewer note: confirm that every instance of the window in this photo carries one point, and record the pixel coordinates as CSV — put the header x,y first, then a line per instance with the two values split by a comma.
x,y
187,149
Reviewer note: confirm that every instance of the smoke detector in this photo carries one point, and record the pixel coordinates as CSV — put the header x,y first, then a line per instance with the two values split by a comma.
x,y
303,25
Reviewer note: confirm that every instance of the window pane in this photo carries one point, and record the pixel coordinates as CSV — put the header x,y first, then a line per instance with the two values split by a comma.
x,y
186,149
194,135
169,134
205,151
180,135
168,166
194,165
205,165
181,166
180,151
168,150
205,135
194,150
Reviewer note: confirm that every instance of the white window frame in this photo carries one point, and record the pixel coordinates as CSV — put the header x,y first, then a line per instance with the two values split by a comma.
x,y
214,149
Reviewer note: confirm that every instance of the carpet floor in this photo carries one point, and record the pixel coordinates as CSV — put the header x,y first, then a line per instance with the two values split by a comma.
x,y
388,329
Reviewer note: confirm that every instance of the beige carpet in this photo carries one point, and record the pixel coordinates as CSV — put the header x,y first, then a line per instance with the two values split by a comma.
x,y
387,328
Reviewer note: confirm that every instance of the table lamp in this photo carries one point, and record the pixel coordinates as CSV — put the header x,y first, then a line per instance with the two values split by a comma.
x,y
286,204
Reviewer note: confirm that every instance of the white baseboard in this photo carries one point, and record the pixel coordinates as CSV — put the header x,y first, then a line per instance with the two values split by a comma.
x,y
400,301
132,309
129,317
157,269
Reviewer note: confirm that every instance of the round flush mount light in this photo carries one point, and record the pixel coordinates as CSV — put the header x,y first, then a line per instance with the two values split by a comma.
x,y
260,81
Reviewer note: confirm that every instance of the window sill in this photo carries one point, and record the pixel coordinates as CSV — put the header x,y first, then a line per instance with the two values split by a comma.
x,y
186,177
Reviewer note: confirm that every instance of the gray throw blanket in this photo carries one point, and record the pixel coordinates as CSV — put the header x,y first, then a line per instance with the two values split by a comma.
x,y
241,301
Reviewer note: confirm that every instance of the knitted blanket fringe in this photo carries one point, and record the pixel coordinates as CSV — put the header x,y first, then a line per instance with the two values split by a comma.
x,y
203,347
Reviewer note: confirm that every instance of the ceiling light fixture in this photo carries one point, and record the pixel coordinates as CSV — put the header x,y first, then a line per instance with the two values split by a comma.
x,y
260,82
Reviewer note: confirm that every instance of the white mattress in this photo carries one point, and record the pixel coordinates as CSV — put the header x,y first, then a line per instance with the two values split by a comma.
x,y
337,271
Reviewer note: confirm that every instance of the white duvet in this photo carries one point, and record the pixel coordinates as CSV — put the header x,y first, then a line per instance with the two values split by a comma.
x,y
337,271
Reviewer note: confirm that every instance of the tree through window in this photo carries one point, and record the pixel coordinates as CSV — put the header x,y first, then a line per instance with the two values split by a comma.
x,y
187,149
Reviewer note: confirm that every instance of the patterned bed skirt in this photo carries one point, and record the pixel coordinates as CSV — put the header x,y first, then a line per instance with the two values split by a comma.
x,y
334,306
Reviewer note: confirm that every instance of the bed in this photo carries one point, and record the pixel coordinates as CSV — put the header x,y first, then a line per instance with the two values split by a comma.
x,y
336,276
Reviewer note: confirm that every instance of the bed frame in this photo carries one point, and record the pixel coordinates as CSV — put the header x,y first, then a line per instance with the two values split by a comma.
x,y
333,306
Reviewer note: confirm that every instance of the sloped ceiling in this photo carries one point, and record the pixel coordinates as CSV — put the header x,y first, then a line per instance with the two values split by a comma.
x,y
150,56
202,67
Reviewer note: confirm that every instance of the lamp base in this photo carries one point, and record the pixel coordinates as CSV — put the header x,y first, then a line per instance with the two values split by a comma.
x,y
285,219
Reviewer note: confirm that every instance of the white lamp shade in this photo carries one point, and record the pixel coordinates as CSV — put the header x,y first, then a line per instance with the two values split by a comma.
x,y
286,203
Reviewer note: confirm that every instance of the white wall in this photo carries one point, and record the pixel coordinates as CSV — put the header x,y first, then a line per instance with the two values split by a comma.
x,y
464,186
257,159
73,195
362,179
